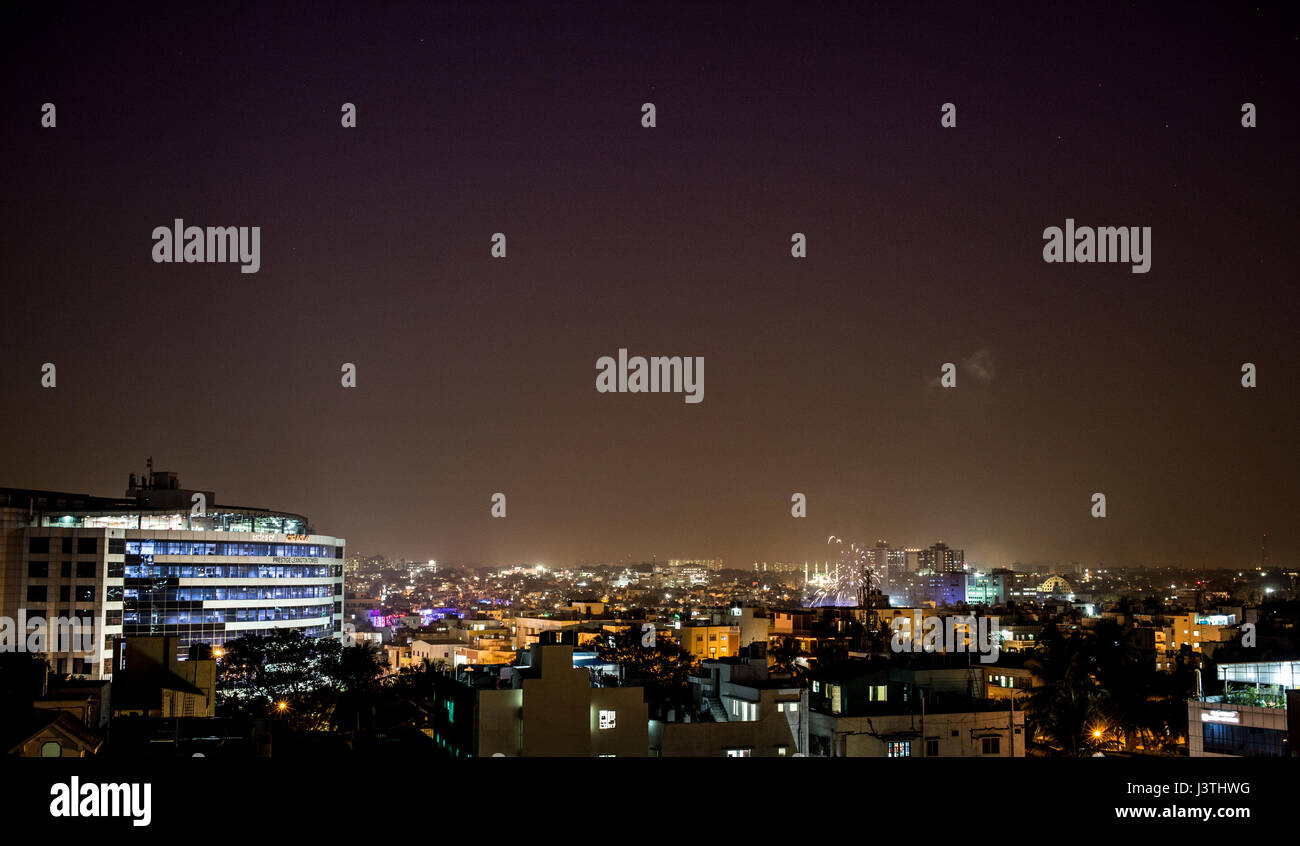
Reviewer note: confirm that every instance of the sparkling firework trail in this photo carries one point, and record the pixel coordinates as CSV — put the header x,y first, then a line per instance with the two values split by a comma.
x,y
855,571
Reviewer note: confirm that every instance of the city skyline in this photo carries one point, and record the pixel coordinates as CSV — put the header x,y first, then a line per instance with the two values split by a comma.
x,y
827,554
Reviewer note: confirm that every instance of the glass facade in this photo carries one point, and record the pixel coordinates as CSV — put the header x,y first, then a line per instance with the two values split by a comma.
x,y
182,613
1245,741
150,565
143,566
296,583
212,521
186,585
232,548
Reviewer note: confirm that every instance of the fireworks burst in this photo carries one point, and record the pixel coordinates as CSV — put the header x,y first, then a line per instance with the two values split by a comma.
x,y
856,569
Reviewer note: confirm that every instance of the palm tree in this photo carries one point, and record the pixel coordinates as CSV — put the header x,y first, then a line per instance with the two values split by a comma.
x,y
1095,687
783,653
1064,706
357,673
1131,703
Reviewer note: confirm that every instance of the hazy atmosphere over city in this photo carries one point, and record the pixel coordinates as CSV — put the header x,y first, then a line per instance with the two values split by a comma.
x,y
476,375
389,388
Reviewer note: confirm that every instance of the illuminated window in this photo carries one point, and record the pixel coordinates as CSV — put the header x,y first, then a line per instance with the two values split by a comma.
x,y
607,719
51,749
898,749
739,753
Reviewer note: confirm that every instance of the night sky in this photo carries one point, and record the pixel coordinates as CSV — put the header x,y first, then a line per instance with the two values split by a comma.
x,y
477,375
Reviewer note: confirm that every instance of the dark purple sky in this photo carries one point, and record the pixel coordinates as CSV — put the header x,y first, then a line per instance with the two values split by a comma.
x,y
477,375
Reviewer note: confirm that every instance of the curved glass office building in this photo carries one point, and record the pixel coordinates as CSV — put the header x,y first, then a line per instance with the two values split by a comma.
x,y
163,562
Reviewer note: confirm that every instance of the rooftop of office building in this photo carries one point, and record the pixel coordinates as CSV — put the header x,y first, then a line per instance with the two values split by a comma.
x,y
152,500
